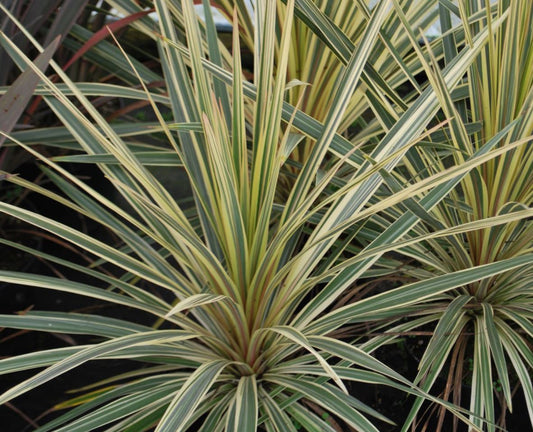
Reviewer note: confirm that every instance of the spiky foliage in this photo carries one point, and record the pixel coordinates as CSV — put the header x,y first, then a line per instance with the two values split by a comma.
x,y
324,34
482,330
248,282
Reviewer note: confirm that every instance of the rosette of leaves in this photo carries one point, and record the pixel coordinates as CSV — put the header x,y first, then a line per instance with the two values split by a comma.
x,y
246,283
482,331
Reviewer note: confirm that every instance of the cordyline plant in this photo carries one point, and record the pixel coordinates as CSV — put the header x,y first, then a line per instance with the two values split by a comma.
x,y
322,41
248,282
482,331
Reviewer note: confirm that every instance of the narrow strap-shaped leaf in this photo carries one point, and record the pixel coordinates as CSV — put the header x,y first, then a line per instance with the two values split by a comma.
x,y
93,352
297,337
87,242
482,396
245,406
190,396
351,373
520,319
445,334
37,359
238,125
98,398
279,420
337,404
62,134
195,300
62,322
140,421
308,419
354,355
133,291
516,349
86,290
202,86
231,415
147,158
124,406
344,91
215,55
218,413
496,350
434,363
416,292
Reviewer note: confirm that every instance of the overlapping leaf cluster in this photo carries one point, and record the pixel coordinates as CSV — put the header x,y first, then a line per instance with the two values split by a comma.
x,y
250,283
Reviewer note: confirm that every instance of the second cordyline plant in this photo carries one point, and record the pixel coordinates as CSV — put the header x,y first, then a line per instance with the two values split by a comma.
x,y
248,282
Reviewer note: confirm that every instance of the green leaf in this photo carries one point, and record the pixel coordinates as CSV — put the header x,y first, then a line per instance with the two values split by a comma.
x,y
190,396
86,290
147,158
516,349
71,323
448,329
495,345
482,398
276,415
93,352
416,292
153,397
354,355
336,403
37,359
245,406
297,337
90,402
193,301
